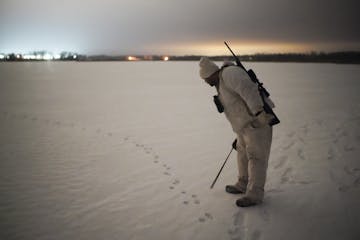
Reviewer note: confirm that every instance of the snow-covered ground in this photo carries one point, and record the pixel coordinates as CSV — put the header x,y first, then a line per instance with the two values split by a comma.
x,y
123,150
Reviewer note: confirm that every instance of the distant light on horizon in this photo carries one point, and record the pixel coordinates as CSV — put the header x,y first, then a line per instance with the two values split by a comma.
x,y
131,58
29,57
47,56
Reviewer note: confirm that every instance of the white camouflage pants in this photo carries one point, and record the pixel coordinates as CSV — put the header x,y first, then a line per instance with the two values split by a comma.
x,y
253,147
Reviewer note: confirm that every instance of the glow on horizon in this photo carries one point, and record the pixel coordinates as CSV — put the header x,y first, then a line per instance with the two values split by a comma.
x,y
219,48
253,47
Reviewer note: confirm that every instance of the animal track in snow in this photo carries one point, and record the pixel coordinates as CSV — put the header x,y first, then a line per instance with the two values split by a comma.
x,y
349,148
207,216
301,154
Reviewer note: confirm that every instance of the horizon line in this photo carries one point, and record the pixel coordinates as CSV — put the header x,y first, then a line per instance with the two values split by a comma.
x,y
182,55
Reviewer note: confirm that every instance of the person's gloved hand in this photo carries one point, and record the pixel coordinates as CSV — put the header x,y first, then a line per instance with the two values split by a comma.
x,y
234,144
261,119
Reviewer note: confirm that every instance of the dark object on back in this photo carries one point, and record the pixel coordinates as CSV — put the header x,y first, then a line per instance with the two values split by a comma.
x,y
263,92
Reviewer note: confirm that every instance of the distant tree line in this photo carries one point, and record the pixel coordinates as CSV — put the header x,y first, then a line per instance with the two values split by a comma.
x,y
334,57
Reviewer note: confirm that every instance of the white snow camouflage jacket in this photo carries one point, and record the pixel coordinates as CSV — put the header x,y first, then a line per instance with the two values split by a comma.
x,y
240,97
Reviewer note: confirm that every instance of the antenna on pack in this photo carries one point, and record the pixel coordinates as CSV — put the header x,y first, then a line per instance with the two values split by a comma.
x,y
237,60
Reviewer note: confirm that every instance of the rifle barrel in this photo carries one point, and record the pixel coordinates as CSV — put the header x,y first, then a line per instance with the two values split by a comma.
x,y
237,60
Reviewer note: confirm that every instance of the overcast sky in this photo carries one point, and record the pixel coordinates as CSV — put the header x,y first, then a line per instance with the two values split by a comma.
x,y
178,26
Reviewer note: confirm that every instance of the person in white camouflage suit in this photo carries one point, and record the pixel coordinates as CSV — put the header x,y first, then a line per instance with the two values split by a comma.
x,y
243,107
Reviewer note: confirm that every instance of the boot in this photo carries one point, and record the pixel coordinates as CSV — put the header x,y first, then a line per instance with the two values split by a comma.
x,y
234,190
238,188
246,202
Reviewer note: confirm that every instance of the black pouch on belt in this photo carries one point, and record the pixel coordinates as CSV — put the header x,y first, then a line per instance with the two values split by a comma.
x,y
218,104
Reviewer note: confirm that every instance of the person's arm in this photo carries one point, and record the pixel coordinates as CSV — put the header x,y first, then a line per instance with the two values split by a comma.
x,y
239,81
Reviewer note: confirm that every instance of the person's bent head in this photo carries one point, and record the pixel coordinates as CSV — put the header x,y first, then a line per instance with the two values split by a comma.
x,y
209,71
